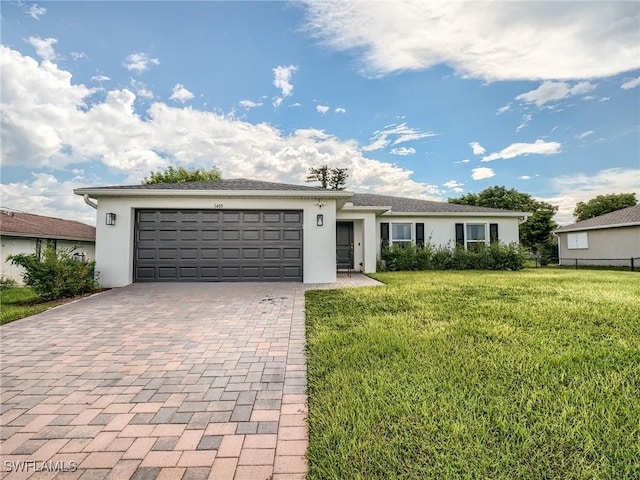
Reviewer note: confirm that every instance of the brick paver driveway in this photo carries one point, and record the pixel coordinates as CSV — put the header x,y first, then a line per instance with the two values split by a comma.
x,y
158,381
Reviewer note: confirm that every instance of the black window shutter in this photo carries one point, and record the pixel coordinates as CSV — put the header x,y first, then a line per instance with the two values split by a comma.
x,y
420,234
384,234
493,232
460,234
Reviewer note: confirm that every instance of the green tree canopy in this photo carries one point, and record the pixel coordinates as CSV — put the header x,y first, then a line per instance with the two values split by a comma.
x,y
331,178
603,204
536,231
179,175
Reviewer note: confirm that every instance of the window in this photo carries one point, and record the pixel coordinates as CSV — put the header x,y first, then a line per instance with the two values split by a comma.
x,y
577,240
401,234
475,234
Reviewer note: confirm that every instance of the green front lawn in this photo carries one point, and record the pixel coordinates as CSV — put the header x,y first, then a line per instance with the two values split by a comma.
x,y
16,303
513,375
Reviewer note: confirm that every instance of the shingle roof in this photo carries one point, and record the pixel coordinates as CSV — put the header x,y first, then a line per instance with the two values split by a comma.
x,y
29,225
412,205
241,184
626,216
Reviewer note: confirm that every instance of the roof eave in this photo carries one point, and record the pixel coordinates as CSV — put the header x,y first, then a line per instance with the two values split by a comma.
x,y
458,214
595,227
47,236
128,192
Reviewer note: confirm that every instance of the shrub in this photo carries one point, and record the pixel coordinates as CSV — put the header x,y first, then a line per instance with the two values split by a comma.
x,y
6,283
57,275
497,256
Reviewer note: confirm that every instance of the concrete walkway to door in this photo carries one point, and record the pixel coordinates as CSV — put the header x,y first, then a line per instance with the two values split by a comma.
x,y
160,381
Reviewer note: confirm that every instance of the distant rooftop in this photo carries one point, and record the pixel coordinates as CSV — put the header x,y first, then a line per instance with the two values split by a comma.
x,y
624,217
29,225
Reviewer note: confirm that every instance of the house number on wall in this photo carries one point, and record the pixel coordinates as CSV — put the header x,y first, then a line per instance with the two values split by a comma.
x,y
218,205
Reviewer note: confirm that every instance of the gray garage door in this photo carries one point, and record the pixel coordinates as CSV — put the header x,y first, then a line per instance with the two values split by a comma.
x,y
218,245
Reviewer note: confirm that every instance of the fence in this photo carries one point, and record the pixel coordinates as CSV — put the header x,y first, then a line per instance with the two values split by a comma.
x,y
632,263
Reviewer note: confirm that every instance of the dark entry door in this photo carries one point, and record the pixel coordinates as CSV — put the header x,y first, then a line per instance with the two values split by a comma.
x,y
344,244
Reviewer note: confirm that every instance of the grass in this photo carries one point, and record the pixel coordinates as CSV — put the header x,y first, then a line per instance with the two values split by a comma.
x,y
502,375
17,303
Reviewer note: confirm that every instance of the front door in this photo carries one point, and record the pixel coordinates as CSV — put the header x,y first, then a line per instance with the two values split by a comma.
x,y
344,244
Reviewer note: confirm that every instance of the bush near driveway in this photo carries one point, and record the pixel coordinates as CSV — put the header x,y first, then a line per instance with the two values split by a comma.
x,y
57,274
502,375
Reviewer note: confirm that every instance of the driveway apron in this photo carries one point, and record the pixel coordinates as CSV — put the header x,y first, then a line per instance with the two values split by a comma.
x,y
158,381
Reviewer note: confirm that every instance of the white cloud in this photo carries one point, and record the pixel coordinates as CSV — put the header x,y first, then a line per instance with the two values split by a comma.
x,y
36,11
340,110
526,118
454,186
282,80
571,189
141,89
604,99
584,135
48,122
322,109
481,173
44,194
503,109
180,94
553,91
395,134
629,84
44,47
403,151
477,148
465,161
99,78
140,62
249,104
524,177
539,147
78,55
487,40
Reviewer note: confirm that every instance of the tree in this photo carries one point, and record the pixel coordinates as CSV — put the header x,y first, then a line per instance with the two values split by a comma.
x,y
536,231
331,178
603,204
181,174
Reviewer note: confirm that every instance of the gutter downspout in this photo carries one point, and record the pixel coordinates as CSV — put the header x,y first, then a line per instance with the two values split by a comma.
x,y
88,201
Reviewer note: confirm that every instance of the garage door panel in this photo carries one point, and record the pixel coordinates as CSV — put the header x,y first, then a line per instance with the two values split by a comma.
x,y
209,253
210,235
272,235
218,245
292,235
293,217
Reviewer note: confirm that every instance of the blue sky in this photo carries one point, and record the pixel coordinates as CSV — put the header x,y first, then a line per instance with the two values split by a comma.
x,y
420,99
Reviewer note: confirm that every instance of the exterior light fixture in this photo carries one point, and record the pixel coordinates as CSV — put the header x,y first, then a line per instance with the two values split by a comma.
x,y
111,219
319,220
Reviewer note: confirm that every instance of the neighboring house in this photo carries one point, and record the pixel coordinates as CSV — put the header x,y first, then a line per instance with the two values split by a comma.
x,y
28,233
610,240
248,230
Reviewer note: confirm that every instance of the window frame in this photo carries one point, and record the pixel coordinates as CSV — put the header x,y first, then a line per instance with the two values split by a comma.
x,y
470,243
403,242
578,241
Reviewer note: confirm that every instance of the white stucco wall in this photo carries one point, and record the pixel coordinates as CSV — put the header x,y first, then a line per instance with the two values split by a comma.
x,y
441,230
16,245
604,246
114,244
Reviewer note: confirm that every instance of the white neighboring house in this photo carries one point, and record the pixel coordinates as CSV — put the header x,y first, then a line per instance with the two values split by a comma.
x,y
250,230
29,233
608,240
